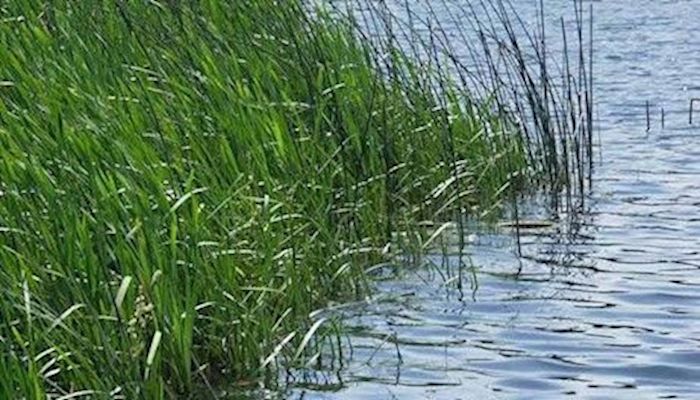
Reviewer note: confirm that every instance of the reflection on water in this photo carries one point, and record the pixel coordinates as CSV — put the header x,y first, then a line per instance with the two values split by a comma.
x,y
580,319
610,311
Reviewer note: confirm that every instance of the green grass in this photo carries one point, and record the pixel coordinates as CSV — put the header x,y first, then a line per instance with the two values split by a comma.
x,y
181,187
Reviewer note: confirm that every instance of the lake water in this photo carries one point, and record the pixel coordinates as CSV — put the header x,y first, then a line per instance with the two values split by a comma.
x,y
611,311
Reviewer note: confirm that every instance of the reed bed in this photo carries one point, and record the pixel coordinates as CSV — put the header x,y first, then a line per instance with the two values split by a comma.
x,y
537,77
184,184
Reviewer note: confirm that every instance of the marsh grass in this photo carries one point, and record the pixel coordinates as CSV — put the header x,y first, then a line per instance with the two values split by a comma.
x,y
182,185
522,72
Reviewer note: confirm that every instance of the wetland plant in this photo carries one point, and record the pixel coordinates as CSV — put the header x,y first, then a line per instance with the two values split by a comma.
x,y
183,184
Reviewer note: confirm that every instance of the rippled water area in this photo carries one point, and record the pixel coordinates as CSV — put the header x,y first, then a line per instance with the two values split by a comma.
x,y
610,312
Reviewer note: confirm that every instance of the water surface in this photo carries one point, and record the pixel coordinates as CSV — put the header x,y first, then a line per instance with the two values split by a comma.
x,y
610,311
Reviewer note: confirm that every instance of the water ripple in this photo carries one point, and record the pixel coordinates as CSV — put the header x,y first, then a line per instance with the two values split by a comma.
x,y
610,313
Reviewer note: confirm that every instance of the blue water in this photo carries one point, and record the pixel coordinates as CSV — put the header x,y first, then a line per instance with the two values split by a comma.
x,y
609,311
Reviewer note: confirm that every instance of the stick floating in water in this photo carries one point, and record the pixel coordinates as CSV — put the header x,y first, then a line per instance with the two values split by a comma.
x,y
690,111
648,118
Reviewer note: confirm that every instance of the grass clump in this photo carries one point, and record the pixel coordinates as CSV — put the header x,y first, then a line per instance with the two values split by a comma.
x,y
183,183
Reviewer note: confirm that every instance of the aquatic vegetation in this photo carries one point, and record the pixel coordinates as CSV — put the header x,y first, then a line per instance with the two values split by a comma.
x,y
183,185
